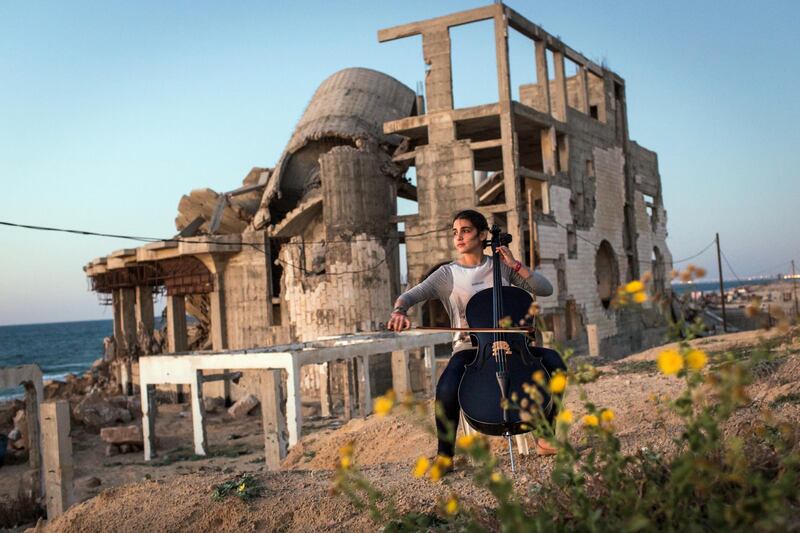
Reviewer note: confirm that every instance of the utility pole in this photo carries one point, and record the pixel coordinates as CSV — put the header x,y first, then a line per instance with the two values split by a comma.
x,y
721,288
794,288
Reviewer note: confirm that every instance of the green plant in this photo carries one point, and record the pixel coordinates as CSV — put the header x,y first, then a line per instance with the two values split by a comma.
x,y
245,487
709,481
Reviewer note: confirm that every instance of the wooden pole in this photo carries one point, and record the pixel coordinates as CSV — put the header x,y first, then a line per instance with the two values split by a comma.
x,y
794,288
721,288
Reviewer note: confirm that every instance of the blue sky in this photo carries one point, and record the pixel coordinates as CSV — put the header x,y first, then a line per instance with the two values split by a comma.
x,y
110,111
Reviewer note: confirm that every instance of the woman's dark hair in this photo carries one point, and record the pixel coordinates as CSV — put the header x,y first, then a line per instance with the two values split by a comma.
x,y
477,219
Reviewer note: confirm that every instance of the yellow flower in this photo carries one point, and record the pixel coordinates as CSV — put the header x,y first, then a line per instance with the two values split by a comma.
x,y
564,417
634,286
670,362
538,377
347,449
496,477
640,297
696,359
606,415
558,383
242,487
465,441
590,420
383,404
421,467
346,462
435,473
443,461
451,507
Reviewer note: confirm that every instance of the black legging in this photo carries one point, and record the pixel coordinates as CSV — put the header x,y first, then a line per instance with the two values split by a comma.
x,y
447,391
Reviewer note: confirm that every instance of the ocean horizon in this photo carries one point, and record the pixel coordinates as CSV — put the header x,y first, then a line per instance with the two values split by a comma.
x,y
59,348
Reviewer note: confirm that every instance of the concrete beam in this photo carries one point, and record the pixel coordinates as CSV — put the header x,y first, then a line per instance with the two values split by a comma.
x,y
447,21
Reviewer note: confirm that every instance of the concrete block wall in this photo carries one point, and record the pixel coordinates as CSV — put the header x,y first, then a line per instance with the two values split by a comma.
x,y
246,295
350,296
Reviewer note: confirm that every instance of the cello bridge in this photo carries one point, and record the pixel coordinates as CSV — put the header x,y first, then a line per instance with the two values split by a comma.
x,y
500,345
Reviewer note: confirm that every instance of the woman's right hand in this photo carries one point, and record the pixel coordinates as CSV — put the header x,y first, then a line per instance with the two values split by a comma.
x,y
398,322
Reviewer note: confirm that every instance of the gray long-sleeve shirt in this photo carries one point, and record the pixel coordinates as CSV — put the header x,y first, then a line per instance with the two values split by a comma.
x,y
455,284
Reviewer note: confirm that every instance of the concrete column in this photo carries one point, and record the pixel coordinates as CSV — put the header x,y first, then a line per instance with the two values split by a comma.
x,y
176,324
144,309
439,76
430,367
198,415
346,375
401,377
548,141
149,420
364,387
508,135
324,389
128,317
542,75
294,411
583,90
125,381
58,466
219,327
116,304
560,93
594,339
32,400
275,447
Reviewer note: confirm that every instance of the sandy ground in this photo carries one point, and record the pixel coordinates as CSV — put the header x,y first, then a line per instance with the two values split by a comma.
x,y
174,492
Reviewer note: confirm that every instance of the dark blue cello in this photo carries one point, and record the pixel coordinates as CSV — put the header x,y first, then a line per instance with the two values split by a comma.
x,y
504,362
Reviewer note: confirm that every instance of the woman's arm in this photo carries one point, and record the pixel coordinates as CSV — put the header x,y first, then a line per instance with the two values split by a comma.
x,y
437,285
522,276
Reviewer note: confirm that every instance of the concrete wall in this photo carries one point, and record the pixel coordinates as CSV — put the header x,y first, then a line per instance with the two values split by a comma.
x,y
245,291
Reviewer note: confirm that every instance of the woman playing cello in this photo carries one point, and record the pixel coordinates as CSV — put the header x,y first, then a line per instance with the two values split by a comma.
x,y
454,284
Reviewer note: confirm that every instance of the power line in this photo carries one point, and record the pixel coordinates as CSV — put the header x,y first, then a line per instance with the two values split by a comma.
x,y
193,240
206,241
698,254
735,275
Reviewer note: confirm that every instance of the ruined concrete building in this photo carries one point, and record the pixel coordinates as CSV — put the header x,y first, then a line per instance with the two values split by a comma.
x,y
311,247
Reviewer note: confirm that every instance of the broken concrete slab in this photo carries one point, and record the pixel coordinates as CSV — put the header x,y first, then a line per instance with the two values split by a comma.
x,y
122,435
242,407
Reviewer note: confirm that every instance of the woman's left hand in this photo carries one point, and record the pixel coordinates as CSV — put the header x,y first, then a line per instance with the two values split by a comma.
x,y
507,256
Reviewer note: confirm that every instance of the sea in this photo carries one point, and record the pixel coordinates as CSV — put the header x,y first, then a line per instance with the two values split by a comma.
x,y
713,286
58,348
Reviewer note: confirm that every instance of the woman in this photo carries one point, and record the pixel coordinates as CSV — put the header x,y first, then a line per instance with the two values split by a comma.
x,y
454,284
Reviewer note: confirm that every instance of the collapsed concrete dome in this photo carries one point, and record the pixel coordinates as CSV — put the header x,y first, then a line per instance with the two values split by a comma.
x,y
348,109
